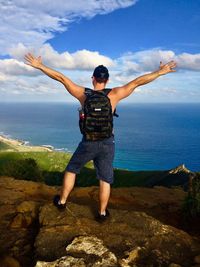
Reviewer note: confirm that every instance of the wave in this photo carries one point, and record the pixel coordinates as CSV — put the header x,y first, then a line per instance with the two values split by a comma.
x,y
7,136
25,143
48,146
28,143
62,149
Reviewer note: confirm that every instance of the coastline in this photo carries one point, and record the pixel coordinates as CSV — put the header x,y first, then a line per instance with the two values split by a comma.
x,y
22,146
147,136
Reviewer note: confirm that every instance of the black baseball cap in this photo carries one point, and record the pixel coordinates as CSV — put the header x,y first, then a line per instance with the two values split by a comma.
x,y
101,72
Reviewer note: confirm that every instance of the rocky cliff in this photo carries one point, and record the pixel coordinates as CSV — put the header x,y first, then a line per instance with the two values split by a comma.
x,y
178,176
144,228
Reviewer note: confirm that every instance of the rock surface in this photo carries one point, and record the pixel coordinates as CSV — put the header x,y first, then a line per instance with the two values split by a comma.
x,y
197,259
94,251
137,234
9,261
180,168
63,262
122,234
19,208
174,265
178,176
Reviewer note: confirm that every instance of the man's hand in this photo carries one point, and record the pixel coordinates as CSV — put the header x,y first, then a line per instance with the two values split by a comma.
x,y
119,93
166,68
74,89
31,60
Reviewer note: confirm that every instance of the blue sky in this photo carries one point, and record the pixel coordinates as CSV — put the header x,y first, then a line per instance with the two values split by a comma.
x,y
130,37
145,25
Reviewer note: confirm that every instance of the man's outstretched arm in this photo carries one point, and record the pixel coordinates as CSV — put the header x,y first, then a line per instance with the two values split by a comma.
x,y
74,89
124,91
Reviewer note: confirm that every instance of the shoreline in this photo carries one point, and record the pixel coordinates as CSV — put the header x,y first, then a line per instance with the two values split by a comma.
x,y
23,146
17,145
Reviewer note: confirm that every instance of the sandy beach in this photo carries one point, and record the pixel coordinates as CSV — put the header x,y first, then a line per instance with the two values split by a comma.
x,y
21,146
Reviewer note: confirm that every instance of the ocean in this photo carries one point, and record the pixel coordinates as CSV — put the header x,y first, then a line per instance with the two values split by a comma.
x,y
152,136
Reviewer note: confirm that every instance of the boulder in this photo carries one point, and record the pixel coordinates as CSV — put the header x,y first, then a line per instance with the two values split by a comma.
x,y
133,237
94,251
8,261
21,221
63,262
27,213
28,207
174,265
132,257
197,259
137,234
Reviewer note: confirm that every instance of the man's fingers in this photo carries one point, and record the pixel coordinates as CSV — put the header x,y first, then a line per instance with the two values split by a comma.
x,y
173,66
30,55
28,58
161,64
172,63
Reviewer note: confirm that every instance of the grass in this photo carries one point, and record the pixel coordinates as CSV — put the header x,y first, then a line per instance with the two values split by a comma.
x,y
4,146
49,167
47,161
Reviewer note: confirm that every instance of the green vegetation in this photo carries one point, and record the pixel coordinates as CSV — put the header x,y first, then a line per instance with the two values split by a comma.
x,y
4,146
191,206
49,167
26,169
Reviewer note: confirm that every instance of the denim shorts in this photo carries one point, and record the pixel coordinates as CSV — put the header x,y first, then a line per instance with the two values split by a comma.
x,y
101,152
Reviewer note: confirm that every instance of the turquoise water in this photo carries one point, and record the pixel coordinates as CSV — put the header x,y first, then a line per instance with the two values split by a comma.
x,y
148,136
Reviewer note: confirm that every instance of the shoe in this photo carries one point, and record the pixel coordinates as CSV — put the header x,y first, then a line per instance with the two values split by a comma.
x,y
56,202
102,218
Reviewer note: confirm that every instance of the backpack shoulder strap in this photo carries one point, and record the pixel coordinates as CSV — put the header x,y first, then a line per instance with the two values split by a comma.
x,y
107,91
88,91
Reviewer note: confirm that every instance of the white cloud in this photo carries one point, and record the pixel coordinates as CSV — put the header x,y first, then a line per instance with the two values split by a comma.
x,y
3,77
82,59
123,69
34,22
156,91
14,67
30,87
15,75
148,60
189,61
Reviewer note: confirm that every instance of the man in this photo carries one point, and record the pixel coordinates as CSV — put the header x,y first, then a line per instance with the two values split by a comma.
x,y
100,151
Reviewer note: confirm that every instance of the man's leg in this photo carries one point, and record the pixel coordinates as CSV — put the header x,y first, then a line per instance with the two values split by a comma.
x,y
68,185
84,153
104,195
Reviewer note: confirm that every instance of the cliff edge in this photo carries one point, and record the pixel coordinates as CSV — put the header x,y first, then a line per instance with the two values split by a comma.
x,y
143,230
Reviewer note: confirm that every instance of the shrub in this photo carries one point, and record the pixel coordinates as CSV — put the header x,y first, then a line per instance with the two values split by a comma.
x,y
26,169
191,206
